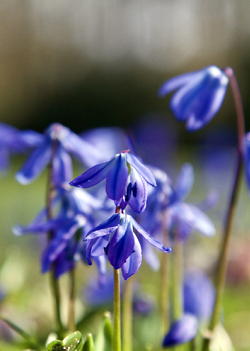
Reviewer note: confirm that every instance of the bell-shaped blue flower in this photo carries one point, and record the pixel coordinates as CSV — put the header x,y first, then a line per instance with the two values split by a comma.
x,y
199,95
126,179
181,331
57,143
117,239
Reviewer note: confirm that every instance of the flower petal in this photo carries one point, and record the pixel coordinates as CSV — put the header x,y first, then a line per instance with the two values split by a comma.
x,y
104,228
175,83
139,201
121,244
184,181
35,164
133,262
148,237
181,331
141,169
93,175
202,222
116,179
62,166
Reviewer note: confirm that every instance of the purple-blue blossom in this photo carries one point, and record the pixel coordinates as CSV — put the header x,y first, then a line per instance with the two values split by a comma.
x,y
56,145
247,158
117,239
199,95
181,331
126,180
14,141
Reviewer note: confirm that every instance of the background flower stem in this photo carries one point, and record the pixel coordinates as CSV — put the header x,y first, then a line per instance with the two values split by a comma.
x,y
54,284
127,319
222,261
71,310
164,287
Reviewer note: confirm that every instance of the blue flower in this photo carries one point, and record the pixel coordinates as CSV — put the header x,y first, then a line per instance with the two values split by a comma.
x,y
117,239
181,331
199,95
57,143
126,180
186,217
247,158
199,295
14,141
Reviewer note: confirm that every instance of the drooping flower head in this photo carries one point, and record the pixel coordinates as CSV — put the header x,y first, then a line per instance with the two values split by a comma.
x,y
14,141
181,331
126,180
199,95
117,239
57,143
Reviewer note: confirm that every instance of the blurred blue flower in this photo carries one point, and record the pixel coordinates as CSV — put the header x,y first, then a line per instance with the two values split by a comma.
x,y
181,331
186,217
126,180
247,158
57,143
76,209
14,141
117,239
199,295
199,95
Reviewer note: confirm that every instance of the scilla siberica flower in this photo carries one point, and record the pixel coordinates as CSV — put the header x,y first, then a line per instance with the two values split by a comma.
x,y
247,158
181,331
199,95
117,239
57,143
126,180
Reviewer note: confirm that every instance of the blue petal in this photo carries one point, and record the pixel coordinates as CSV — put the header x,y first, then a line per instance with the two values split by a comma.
x,y
150,256
184,181
105,227
138,202
35,164
93,175
62,166
247,159
133,262
4,158
175,83
148,237
85,152
116,179
141,169
181,331
122,243
202,222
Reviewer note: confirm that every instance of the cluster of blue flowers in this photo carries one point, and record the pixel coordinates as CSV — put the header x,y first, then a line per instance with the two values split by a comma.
x,y
85,226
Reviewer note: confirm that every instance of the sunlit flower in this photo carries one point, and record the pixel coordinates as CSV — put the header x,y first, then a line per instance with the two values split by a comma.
x,y
126,180
117,239
199,95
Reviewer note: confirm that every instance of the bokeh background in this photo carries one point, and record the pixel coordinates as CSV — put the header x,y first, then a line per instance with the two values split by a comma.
x,y
89,64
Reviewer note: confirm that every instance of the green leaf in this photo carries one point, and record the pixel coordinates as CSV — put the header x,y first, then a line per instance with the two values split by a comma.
x,y
89,344
73,342
55,345
22,333
104,337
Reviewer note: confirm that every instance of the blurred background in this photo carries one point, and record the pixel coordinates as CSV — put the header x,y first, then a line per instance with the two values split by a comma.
x,y
91,63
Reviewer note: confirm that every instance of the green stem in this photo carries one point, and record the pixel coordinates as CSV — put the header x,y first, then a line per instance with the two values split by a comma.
x,y
164,290
117,312
222,261
71,311
177,278
127,318
54,284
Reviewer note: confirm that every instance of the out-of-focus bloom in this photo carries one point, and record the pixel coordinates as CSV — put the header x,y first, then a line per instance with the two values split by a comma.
x,y
126,180
65,247
247,158
185,217
57,143
199,95
14,141
199,295
117,239
181,331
